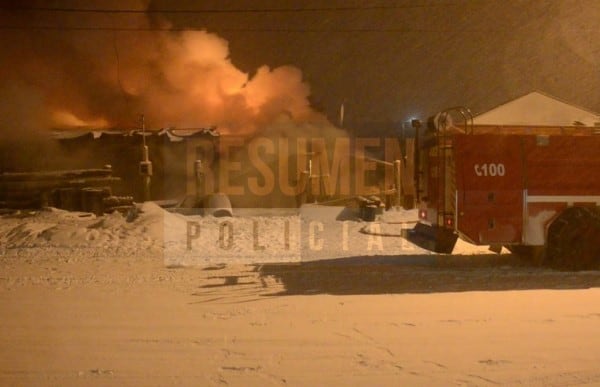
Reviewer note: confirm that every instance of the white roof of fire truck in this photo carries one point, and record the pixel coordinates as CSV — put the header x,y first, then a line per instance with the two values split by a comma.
x,y
540,109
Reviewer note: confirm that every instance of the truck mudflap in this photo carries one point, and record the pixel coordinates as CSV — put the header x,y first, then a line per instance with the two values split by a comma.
x,y
434,238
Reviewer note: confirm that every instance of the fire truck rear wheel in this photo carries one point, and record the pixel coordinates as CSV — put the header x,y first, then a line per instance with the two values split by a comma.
x,y
573,239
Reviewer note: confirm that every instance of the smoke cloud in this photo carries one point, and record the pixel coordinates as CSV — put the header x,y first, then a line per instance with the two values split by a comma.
x,y
102,79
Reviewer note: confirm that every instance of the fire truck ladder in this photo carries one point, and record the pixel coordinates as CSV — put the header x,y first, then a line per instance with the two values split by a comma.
x,y
446,187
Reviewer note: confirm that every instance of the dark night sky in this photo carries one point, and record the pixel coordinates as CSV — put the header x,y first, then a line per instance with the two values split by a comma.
x,y
390,64
389,61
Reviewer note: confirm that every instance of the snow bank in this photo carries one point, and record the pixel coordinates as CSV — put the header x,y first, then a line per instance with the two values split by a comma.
x,y
62,229
315,233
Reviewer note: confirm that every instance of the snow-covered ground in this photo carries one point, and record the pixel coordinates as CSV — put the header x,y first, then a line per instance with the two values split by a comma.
x,y
130,321
312,233
90,301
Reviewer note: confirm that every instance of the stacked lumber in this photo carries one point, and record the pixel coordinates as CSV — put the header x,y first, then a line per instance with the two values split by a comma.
x,y
73,190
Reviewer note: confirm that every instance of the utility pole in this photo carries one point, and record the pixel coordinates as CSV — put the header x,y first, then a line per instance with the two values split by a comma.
x,y
145,164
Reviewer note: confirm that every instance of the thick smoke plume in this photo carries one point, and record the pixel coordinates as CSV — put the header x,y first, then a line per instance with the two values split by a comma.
x,y
189,81
102,79
61,78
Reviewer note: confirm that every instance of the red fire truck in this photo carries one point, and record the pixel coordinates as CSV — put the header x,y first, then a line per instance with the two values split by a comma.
x,y
535,191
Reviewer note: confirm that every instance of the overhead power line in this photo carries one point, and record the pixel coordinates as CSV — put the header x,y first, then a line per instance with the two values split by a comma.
x,y
231,10
290,30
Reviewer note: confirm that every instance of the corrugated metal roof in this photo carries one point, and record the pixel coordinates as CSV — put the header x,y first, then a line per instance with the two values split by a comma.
x,y
173,134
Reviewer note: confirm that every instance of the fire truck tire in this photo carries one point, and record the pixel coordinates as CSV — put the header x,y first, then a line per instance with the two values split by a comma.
x,y
573,239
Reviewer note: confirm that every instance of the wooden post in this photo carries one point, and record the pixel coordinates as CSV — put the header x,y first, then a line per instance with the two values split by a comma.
x,y
398,183
409,185
199,174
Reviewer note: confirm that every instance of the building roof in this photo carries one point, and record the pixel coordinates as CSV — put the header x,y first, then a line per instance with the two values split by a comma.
x,y
174,135
537,108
